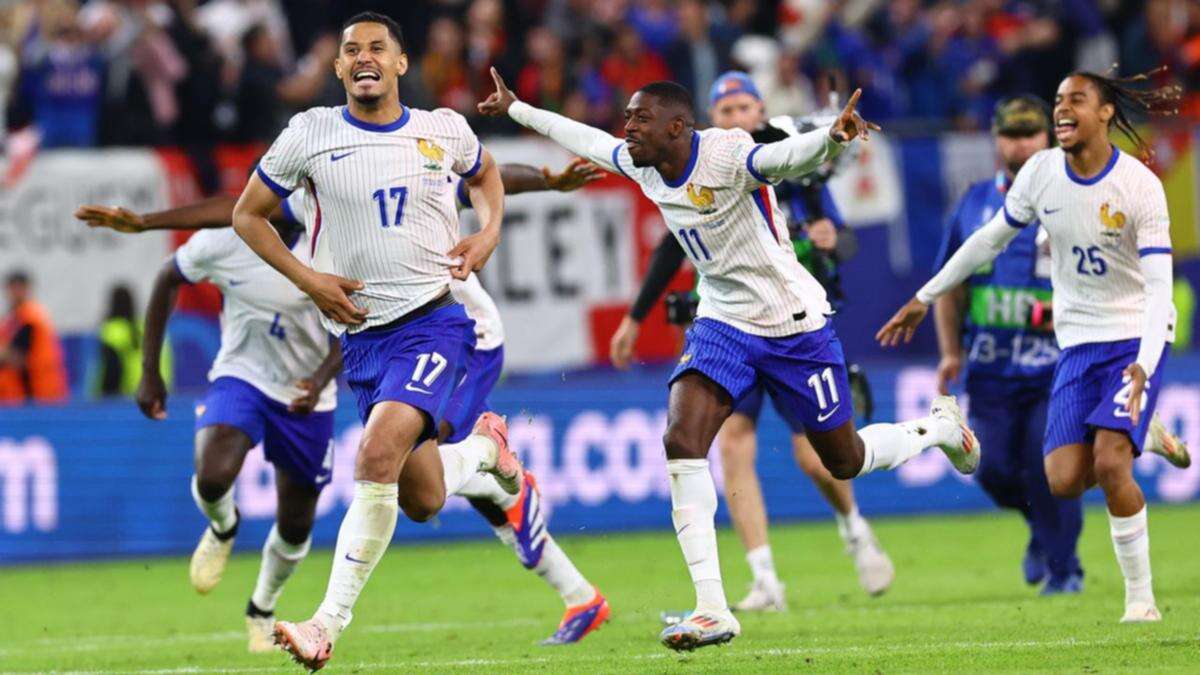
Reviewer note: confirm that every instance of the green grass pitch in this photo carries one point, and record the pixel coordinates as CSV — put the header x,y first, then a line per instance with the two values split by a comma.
x,y
958,605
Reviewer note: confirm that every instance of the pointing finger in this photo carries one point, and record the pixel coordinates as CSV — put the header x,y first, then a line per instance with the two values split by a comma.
x,y
500,86
852,102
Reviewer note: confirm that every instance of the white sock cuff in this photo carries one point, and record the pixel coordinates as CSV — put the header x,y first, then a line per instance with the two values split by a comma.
x,y
285,550
677,467
1127,528
759,554
369,491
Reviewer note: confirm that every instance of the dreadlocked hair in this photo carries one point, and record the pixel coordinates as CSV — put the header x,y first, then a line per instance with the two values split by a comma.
x,y
1127,100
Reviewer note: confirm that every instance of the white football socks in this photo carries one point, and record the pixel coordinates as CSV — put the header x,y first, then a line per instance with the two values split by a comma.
x,y
890,445
557,570
484,486
851,525
364,536
279,560
462,460
220,513
762,565
693,508
1131,541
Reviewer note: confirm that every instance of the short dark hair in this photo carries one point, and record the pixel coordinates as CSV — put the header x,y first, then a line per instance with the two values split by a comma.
x,y
671,94
17,277
375,17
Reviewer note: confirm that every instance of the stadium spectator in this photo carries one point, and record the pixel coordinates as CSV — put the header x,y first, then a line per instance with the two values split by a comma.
x,y
655,22
545,78
261,117
140,106
631,65
121,347
228,21
444,67
31,357
61,79
699,54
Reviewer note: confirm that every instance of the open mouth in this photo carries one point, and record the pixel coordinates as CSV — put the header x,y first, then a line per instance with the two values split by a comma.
x,y
366,76
1065,126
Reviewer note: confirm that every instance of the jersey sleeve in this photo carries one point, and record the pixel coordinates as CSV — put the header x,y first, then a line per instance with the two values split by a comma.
x,y
282,168
594,145
299,207
1152,221
195,259
466,152
731,153
1019,207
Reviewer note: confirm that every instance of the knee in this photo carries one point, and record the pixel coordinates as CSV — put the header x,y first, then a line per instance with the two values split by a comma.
x,y
811,465
842,468
294,529
681,445
423,505
212,484
1111,468
1065,484
376,461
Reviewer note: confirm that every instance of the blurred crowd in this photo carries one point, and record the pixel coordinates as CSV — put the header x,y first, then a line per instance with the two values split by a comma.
x,y
194,72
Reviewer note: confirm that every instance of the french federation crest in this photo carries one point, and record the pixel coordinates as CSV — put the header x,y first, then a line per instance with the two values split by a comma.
x,y
703,198
1112,222
432,152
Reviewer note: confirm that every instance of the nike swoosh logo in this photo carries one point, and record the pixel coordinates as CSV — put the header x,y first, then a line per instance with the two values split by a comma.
x,y
353,559
233,282
1049,211
336,157
822,418
418,390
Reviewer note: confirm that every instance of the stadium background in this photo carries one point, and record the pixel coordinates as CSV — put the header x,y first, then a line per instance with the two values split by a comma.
x,y
152,104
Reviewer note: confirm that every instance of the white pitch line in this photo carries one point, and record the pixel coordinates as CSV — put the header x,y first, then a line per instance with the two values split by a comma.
x,y
727,653
100,642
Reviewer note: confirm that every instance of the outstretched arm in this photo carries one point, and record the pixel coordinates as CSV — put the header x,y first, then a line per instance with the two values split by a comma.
x,y
214,212
801,154
581,139
981,247
520,178
152,391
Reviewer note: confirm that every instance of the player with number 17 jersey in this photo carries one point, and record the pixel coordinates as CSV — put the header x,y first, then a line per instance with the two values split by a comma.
x,y
384,197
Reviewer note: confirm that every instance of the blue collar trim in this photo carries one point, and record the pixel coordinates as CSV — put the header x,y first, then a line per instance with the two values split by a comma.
x,y
687,170
369,126
1112,161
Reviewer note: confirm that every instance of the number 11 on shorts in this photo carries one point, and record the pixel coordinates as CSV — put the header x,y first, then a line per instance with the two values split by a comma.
x,y
819,382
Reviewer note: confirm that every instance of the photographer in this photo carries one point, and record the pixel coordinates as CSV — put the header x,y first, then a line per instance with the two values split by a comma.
x,y
820,242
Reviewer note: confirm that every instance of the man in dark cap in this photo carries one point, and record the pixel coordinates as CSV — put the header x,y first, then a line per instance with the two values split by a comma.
x,y
993,327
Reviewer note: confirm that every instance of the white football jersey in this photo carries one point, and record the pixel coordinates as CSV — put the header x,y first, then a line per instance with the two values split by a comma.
x,y
384,200
729,223
271,332
1098,228
489,332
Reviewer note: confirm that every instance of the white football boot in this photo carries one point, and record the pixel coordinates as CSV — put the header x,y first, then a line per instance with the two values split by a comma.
x,y
764,596
208,561
701,628
964,454
1167,445
875,570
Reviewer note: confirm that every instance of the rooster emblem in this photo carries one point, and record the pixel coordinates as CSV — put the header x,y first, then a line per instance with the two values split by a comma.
x,y
702,198
1113,223
432,152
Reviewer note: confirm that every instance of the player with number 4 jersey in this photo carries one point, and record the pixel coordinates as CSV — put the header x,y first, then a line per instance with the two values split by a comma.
x,y
1106,215
272,382
762,317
